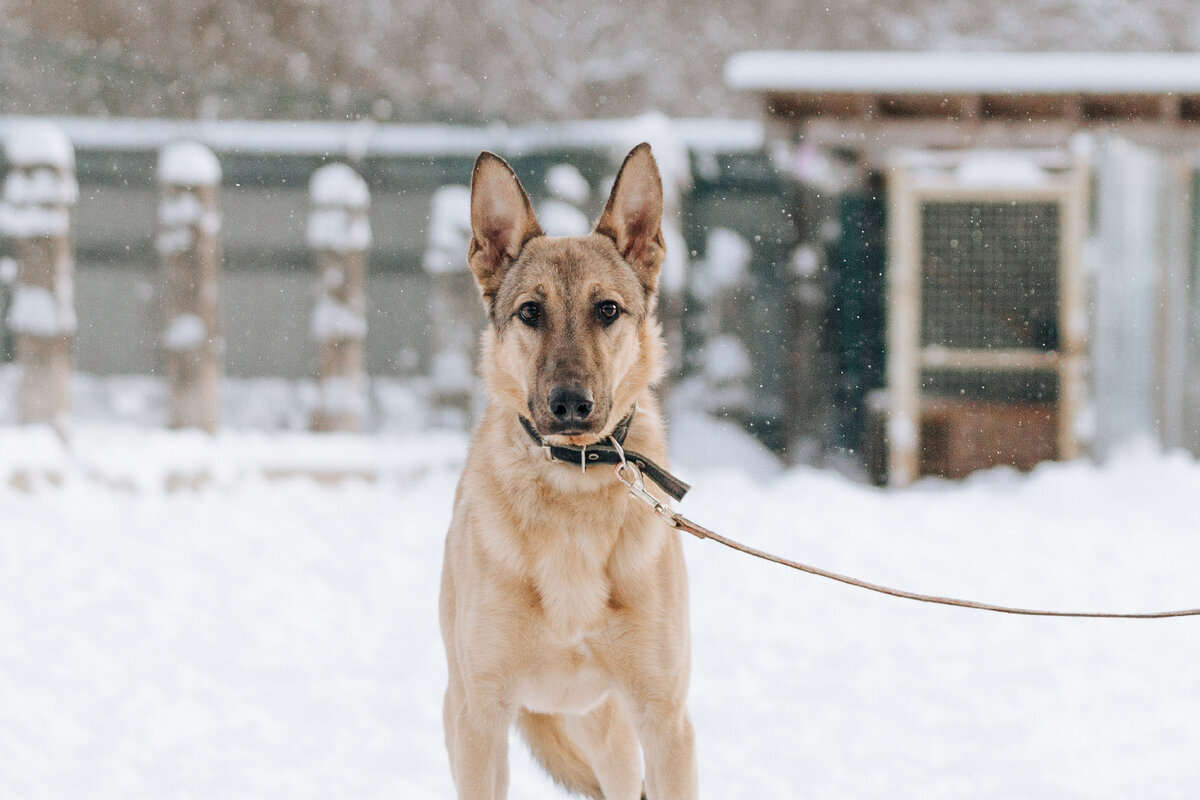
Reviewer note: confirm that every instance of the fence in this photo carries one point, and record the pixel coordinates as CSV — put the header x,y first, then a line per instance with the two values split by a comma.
x,y
40,193
785,340
194,260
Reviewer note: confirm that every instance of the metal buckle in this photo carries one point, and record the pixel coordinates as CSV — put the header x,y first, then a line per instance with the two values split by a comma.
x,y
637,487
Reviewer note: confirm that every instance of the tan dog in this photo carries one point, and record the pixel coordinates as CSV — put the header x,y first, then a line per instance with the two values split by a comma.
x,y
564,603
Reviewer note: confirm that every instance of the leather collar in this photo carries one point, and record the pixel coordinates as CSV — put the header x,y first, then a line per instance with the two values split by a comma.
x,y
602,453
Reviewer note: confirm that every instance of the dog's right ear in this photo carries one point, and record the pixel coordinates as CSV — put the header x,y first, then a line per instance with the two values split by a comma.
x,y
502,221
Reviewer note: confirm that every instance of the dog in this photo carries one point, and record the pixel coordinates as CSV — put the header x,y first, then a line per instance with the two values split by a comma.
x,y
564,605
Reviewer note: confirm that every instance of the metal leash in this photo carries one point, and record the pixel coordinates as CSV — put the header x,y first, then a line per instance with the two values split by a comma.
x,y
631,476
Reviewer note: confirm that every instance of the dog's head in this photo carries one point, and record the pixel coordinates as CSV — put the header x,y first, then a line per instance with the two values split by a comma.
x,y
572,339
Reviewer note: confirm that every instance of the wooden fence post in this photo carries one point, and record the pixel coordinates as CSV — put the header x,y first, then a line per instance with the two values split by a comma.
x,y
188,245
455,313
721,283
339,234
39,193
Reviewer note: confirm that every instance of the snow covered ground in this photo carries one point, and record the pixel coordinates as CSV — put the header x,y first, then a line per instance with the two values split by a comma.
x,y
230,635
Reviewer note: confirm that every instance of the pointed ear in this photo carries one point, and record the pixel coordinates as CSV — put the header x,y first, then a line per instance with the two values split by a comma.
x,y
633,216
502,221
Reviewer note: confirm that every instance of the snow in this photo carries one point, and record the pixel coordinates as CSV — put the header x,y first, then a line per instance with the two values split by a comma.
x,y
339,229
946,72
339,395
182,210
38,143
332,320
903,432
28,222
558,218
185,332
338,185
805,261
333,138
35,201
8,270
181,216
242,636
726,264
40,186
672,276
35,310
449,230
173,240
725,359
188,163
989,168
669,144
565,182
452,371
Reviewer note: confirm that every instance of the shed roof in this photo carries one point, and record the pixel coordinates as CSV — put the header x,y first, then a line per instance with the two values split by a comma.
x,y
965,72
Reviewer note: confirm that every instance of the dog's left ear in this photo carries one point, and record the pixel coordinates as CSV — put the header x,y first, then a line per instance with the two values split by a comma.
x,y
633,216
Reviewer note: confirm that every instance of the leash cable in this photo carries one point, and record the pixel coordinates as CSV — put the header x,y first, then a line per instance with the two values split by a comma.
x,y
632,477
700,532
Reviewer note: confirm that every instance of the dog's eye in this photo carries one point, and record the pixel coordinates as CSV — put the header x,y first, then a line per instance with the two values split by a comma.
x,y
529,313
608,311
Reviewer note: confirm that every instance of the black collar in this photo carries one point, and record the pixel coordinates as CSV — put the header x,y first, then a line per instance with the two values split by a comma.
x,y
601,453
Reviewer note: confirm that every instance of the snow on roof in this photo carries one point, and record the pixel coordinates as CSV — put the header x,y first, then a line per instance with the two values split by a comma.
x,y
39,142
961,72
338,185
188,164
363,138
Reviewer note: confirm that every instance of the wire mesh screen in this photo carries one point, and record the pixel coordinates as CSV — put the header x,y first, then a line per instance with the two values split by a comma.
x,y
992,386
989,274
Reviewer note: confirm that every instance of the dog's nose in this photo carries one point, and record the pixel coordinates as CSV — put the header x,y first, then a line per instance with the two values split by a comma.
x,y
570,405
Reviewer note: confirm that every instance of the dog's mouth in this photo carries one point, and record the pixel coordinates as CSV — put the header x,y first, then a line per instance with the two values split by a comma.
x,y
576,436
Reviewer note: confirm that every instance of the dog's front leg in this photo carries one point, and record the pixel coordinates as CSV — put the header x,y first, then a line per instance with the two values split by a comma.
x,y
477,738
669,746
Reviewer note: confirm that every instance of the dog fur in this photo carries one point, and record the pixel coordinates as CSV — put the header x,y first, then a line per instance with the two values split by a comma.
x,y
564,603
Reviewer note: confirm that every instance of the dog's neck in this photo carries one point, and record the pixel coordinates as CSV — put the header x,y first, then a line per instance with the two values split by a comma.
x,y
608,451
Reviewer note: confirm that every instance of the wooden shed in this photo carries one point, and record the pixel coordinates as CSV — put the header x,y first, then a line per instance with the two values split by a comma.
x,y
1010,188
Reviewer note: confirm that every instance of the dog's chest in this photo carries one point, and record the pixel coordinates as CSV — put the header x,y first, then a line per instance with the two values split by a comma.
x,y
572,582
569,543
563,679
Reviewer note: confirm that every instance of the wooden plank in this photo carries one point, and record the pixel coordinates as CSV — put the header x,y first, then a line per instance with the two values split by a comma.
x,y
946,188
339,235
990,359
1171,361
1072,314
903,329
189,248
1191,423
875,139
1026,108
40,193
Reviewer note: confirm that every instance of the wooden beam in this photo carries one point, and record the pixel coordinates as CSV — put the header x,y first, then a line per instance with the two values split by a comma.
x,y
1073,320
990,359
903,330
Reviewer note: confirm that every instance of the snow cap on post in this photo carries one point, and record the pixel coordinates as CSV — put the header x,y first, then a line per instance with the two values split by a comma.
x,y
449,230
188,164
40,186
338,185
39,143
338,220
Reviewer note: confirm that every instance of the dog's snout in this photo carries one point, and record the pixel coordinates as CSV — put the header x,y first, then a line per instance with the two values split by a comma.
x,y
570,405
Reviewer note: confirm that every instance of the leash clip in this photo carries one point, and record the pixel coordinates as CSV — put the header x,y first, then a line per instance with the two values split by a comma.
x,y
637,487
